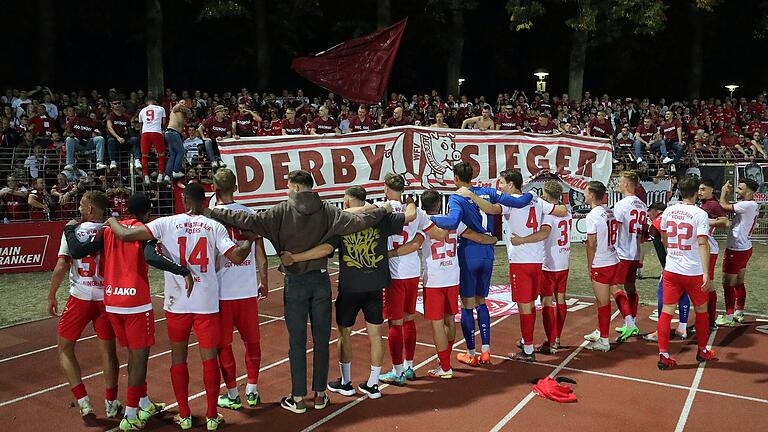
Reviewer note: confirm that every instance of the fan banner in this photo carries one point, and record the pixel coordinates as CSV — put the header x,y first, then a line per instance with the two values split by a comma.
x,y
424,156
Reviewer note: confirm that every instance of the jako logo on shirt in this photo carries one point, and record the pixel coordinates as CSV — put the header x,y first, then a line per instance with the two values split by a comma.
x,y
120,291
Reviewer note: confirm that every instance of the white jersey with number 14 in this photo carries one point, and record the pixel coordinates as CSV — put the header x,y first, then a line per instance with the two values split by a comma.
x,y
194,242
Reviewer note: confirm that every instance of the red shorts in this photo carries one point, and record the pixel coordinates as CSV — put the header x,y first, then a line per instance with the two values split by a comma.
x,y
604,275
735,261
400,298
439,302
712,264
525,280
207,328
240,313
152,139
553,282
78,313
626,271
674,285
135,331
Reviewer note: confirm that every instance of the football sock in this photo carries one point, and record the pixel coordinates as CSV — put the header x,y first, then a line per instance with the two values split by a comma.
x,y
548,318
346,372
252,361
444,357
131,412
144,401
702,329
682,327
180,383
662,331
629,321
684,308
409,341
729,293
132,401
211,382
562,312
79,392
251,388
604,319
232,393
468,328
373,378
395,342
398,368
527,322
622,302
484,322
110,394
712,307
485,348
228,366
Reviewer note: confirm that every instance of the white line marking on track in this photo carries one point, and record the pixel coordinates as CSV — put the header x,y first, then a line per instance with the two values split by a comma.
x,y
37,351
520,405
95,374
694,387
348,406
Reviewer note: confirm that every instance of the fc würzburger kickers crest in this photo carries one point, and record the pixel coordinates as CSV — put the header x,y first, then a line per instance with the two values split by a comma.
x,y
423,157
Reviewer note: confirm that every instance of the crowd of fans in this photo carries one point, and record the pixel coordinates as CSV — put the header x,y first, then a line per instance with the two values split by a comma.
x,y
56,146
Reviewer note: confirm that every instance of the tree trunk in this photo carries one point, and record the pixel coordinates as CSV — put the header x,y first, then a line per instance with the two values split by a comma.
x,y
576,67
696,73
456,53
262,47
153,38
383,13
47,49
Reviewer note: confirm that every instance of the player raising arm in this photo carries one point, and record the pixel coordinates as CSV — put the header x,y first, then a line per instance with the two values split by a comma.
x,y
684,229
194,240
738,248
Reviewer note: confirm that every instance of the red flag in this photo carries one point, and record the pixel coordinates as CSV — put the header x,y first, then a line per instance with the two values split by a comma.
x,y
358,69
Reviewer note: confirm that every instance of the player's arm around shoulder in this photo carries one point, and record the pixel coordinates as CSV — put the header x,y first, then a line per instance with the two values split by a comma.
x,y
138,233
478,237
408,248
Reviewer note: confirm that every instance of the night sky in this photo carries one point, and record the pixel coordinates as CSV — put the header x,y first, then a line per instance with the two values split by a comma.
x,y
101,44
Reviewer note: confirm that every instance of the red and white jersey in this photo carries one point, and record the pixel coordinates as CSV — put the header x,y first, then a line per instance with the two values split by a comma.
x,y
441,263
557,246
630,212
523,222
86,276
601,223
237,281
684,224
406,266
740,234
151,118
125,292
193,242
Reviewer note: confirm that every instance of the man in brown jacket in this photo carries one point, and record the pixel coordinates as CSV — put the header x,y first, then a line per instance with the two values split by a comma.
x,y
296,225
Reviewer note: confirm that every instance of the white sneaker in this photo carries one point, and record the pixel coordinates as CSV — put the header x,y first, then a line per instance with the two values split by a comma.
x,y
598,345
137,163
146,180
639,159
69,167
672,168
113,408
667,160
440,373
167,178
113,165
593,337
215,164
86,409
177,175
100,166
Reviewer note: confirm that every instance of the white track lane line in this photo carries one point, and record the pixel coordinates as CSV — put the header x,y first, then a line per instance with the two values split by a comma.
x,y
355,402
520,405
694,387
95,374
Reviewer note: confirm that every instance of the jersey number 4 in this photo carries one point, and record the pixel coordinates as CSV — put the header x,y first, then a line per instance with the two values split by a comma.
x,y
198,256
